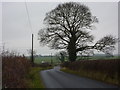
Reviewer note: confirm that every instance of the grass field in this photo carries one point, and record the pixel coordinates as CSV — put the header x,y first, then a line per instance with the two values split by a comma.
x,y
54,60
49,59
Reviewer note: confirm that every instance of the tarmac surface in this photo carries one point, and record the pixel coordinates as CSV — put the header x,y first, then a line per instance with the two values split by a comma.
x,y
54,78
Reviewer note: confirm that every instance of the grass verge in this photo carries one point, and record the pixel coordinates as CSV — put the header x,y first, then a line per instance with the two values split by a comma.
x,y
33,78
94,75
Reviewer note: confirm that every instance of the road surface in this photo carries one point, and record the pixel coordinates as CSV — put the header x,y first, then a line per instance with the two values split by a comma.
x,y
54,78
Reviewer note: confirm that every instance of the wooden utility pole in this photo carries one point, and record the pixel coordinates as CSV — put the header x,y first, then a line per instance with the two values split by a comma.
x,y
32,57
51,59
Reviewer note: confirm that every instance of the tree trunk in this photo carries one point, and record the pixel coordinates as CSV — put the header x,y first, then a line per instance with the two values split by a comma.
x,y
72,55
72,50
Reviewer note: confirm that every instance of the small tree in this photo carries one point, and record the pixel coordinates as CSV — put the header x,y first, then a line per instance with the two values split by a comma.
x,y
68,27
61,56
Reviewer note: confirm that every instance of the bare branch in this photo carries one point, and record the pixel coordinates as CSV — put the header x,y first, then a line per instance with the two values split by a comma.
x,y
67,28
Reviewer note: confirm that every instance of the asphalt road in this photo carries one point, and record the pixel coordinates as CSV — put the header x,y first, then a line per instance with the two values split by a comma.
x,y
54,78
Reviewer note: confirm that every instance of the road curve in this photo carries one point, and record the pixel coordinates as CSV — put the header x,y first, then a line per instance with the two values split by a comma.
x,y
54,78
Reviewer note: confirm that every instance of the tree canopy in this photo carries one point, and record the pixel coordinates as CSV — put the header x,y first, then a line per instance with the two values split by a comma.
x,y
68,27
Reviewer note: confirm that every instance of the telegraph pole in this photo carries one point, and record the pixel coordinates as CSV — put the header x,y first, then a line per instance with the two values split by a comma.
x,y
32,57
51,60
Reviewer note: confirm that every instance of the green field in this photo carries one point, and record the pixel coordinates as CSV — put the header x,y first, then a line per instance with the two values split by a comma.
x,y
54,60
49,59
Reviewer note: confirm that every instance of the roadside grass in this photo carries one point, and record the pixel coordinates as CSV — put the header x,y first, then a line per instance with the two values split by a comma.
x,y
33,78
94,75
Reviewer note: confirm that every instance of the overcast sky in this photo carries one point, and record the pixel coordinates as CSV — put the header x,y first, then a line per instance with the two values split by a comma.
x,y
16,32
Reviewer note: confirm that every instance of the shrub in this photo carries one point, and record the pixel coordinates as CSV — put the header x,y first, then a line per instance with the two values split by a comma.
x,y
14,69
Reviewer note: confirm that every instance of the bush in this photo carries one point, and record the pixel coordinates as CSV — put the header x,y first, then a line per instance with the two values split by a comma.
x,y
14,69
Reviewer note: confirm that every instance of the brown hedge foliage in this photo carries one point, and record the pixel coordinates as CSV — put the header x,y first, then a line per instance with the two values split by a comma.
x,y
14,69
109,67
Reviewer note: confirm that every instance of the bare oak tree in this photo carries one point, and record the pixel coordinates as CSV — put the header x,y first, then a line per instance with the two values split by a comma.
x,y
68,27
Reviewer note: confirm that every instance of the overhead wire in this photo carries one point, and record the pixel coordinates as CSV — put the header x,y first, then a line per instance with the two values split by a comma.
x,y
28,16
29,20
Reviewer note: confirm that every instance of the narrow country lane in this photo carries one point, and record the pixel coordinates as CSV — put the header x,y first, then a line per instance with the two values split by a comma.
x,y
54,78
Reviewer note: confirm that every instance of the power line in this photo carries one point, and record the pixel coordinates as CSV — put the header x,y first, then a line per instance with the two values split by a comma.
x,y
28,16
32,57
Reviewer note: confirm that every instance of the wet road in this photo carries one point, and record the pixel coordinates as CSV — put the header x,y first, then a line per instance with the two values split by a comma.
x,y
54,78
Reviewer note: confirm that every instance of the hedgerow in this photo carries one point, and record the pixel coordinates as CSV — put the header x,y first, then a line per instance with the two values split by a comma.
x,y
104,70
14,69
